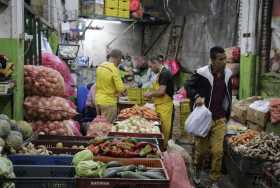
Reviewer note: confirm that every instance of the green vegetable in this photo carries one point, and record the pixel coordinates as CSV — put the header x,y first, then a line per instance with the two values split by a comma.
x,y
14,140
146,150
4,117
8,185
6,167
90,169
25,129
133,140
14,126
132,175
153,175
2,142
113,164
155,170
113,171
84,155
98,140
141,168
109,173
5,128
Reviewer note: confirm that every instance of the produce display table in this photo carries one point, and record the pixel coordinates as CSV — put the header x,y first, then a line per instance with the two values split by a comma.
x,y
124,104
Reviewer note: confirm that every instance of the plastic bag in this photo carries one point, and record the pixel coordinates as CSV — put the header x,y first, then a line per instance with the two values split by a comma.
x,y
172,147
43,81
199,121
99,127
75,127
173,66
54,62
60,128
49,108
261,105
134,5
176,170
91,96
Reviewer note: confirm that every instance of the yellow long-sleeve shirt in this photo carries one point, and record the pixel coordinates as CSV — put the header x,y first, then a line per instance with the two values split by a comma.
x,y
108,84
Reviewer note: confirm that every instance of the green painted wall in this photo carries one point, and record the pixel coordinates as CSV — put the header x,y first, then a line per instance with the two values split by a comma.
x,y
14,50
247,76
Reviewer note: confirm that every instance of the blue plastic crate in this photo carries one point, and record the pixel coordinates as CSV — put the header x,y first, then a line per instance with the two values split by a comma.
x,y
41,182
57,171
40,160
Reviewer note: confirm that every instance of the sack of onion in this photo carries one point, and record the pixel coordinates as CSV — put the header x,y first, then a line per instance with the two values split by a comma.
x,y
43,81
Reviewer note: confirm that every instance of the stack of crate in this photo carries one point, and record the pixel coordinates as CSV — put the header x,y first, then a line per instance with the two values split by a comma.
x,y
112,8
124,9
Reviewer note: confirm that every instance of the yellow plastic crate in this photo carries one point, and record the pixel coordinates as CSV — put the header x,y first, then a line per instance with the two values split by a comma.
x,y
145,100
112,4
185,107
124,4
134,95
124,13
111,12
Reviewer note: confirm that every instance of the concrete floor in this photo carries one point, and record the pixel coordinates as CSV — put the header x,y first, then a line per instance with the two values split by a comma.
x,y
224,182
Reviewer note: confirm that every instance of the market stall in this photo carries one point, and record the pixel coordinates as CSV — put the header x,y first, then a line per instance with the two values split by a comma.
x,y
251,147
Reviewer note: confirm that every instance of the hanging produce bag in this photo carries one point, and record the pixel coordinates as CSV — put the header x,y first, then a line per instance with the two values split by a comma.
x,y
54,62
49,108
60,128
43,81
173,66
99,127
134,5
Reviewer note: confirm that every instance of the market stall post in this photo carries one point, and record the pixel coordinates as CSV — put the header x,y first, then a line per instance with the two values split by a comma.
x,y
248,66
12,45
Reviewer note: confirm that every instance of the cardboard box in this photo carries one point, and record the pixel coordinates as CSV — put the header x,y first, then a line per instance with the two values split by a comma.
x,y
240,108
257,117
239,112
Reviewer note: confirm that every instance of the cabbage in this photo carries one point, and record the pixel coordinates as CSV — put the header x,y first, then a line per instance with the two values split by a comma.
x,y
6,167
90,169
2,142
14,126
14,140
5,128
25,129
7,171
4,117
84,155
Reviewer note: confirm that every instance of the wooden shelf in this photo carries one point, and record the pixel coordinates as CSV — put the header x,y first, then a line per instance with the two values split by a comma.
x,y
153,21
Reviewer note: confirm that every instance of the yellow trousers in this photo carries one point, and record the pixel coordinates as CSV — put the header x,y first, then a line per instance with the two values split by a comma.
x,y
165,112
108,111
215,140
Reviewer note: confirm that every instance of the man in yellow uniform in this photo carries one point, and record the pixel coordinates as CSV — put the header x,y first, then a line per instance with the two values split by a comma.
x,y
109,86
162,94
